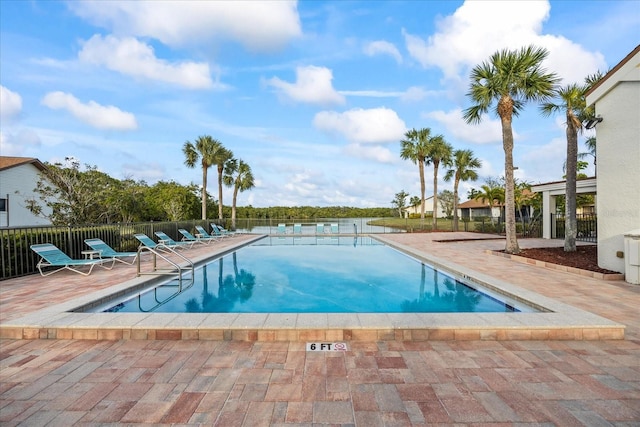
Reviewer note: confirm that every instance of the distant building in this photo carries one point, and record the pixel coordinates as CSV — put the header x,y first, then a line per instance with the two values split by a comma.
x,y
473,209
18,179
428,207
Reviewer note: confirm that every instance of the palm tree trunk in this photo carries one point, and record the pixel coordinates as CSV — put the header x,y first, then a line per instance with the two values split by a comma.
x,y
422,189
220,168
570,221
510,214
455,204
233,208
434,225
204,193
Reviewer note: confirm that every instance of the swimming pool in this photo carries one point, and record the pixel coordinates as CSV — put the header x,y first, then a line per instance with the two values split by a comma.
x,y
327,274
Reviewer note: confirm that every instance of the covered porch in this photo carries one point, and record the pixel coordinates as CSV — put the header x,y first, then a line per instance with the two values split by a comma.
x,y
550,191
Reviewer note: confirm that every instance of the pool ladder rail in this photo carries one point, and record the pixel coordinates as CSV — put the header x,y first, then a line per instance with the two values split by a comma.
x,y
165,252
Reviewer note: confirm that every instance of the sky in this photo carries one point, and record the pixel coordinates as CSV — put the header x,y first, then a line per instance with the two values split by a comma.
x,y
314,95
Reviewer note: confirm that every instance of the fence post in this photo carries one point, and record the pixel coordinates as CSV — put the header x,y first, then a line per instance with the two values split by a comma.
x,y
69,245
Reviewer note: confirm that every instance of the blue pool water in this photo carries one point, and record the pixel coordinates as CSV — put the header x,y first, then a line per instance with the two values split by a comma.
x,y
315,275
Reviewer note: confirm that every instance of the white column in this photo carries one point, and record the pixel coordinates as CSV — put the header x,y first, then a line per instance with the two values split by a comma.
x,y
548,208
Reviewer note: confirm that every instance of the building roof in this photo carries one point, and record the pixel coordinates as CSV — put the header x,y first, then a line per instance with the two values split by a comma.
x,y
606,82
561,182
583,185
470,204
7,162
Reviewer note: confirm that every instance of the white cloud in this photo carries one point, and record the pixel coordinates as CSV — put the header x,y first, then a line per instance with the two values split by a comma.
x,y
373,93
376,125
454,48
91,113
543,162
371,152
569,60
313,85
257,25
151,171
302,184
488,131
381,47
10,104
20,143
413,94
132,57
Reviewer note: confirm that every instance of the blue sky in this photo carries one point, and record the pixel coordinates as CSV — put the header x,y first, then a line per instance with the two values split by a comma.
x,y
315,96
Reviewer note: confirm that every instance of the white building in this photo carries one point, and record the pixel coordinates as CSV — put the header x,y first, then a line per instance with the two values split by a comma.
x,y
428,209
18,178
617,101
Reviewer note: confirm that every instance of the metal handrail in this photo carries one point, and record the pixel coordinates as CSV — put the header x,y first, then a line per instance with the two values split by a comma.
x,y
169,298
158,252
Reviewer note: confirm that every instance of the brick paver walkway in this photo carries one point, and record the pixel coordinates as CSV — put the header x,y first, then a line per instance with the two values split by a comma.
x,y
390,383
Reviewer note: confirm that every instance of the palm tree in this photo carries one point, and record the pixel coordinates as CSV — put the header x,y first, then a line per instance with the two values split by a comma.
x,y
237,174
510,79
415,148
464,165
571,100
590,143
414,201
204,149
210,152
439,151
492,195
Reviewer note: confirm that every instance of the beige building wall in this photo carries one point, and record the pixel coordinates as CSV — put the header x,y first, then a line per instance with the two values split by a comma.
x,y
617,100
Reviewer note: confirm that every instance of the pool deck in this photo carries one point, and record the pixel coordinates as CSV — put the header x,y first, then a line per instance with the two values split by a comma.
x,y
557,320
577,366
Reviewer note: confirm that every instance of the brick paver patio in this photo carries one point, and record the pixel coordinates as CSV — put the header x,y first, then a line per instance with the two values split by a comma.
x,y
384,383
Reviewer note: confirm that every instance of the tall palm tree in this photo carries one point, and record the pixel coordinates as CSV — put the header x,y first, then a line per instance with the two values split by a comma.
x,y
203,149
492,195
509,79
237,174
414,147
464,166
571,100
440,151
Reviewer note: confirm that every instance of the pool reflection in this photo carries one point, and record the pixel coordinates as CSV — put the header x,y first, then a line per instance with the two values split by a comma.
x,y
231,288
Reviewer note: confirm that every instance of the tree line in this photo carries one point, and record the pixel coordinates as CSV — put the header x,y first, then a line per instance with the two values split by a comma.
x,y
76,194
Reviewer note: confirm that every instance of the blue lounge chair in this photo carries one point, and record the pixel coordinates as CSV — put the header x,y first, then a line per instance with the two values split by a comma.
x,y
148,242
188,237
282,228
203,233
297,228
225,231
335,229
107,251
165,239
51,256
220,231
319,228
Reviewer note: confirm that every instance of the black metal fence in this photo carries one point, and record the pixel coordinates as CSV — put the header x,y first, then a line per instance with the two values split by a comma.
x,y
17,258
587,227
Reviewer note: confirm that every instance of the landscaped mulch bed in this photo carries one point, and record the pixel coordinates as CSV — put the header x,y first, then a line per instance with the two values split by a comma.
x,y
585,257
